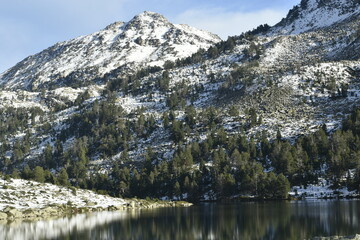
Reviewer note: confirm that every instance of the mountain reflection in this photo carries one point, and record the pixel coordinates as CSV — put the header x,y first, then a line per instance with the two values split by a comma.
x,y
261,220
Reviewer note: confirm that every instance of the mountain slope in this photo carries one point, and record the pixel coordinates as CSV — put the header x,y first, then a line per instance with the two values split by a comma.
x,y
147,40
315,14
203,127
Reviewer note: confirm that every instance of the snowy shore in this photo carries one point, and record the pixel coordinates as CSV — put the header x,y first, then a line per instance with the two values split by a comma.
x,y
29,200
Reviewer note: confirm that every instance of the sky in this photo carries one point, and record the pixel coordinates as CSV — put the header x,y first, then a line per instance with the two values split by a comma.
x,y
28,27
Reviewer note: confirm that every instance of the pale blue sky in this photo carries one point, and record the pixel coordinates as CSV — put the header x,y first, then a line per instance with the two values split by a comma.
x,y
27,27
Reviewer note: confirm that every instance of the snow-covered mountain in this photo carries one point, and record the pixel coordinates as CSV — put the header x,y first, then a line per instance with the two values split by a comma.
x,y
148,39
290,56
315,14
294,77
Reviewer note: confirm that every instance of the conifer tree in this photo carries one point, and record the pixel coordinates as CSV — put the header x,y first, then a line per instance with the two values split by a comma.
x,y
39,174
63,178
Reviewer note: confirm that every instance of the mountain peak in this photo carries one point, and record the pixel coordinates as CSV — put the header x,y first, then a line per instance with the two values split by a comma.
x,y
149,14
148,39
147,19
143,19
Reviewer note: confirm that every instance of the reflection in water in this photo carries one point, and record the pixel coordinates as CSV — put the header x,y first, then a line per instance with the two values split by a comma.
x,y
266,220
52,229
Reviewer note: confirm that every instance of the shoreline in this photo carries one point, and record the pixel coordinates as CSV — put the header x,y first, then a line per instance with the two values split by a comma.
x,y
291,198
351,237
10,214
26,200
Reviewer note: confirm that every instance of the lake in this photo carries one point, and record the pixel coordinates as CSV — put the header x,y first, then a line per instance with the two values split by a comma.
x,y
246,220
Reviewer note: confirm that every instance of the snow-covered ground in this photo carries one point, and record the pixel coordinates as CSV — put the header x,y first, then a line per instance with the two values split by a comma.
x,y
23,194
317,14
321,190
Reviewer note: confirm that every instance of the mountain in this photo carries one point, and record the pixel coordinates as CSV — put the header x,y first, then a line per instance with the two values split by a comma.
x,y
147,40
276,106
315,14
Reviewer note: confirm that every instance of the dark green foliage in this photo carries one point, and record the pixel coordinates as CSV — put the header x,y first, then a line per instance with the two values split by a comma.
x,y
190,117
208,157
103,128
177,98
39,174
254,51
236,162
166,120
253,118
168,65
233,111
177,131
63,178
123,84
15,174
213,52
15,119
82,97
48,157
27,173
263,28
164,81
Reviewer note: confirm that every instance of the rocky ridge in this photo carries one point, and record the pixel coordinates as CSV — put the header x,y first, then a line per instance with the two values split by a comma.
x,y
315,14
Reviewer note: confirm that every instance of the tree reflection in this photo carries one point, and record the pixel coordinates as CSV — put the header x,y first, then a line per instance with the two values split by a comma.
x,y
257,220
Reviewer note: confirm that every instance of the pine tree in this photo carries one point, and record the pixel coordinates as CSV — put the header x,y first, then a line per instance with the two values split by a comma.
x,y
233,111
177,132
27,173
39,175
63,178
177,190
49,177
235,157
15,174
166,121
190,116
282,187
123,188
48,157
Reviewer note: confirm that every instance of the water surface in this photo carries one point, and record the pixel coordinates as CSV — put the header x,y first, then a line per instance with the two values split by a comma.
x,y
250,220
